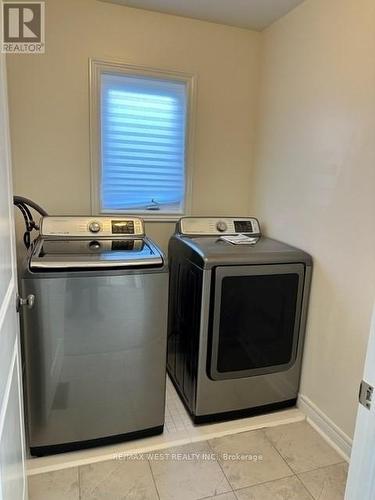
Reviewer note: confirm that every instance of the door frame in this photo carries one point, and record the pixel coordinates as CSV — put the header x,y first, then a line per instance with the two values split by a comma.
x,y
361,477
12,449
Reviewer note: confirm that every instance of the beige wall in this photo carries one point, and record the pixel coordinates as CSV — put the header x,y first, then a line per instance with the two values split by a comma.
x,y
50,108
315,179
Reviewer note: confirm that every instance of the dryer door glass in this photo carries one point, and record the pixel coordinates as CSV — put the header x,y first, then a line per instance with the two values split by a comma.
x,y
256,319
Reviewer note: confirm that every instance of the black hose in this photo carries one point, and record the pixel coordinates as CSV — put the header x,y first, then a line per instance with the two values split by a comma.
x,y
27,239
28,224
23,205
26,216
17,200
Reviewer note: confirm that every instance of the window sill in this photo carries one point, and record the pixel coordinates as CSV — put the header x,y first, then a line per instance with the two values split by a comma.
x,y
144,216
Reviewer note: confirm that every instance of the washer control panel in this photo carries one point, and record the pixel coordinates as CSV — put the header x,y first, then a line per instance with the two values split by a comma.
x,y
86,227
213,226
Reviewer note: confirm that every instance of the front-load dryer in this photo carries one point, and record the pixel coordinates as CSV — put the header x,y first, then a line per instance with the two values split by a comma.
x,y
237,315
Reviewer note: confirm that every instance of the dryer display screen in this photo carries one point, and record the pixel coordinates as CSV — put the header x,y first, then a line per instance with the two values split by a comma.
x,y
243,226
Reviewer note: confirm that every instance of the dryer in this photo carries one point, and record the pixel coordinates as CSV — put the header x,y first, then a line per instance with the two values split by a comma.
x,y
237,316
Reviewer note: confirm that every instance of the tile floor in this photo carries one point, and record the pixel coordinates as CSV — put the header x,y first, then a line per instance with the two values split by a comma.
x,y
176,416
178,430
287,462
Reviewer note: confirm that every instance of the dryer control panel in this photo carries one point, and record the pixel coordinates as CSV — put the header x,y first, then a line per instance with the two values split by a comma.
x,y
216,226
87,227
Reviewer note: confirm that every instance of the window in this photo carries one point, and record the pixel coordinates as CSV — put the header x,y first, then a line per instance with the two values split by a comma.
x,y
140,140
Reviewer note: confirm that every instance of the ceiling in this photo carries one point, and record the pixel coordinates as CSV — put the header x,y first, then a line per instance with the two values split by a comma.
x,y
250,14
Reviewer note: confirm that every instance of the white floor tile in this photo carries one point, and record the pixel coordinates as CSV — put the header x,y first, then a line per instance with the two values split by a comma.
x,y
188,473
249,458
327,483
57,485
302,447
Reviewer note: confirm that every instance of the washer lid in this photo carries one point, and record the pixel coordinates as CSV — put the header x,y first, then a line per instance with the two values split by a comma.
x,y
50,254
214,251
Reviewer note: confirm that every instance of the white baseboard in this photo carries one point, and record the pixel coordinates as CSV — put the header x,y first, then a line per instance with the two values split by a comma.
x,y
326,427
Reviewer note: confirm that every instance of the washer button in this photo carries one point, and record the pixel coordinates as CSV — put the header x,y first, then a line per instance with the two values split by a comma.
x,y
94,227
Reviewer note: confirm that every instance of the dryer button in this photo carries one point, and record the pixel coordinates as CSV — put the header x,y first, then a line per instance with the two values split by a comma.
x,y
221,226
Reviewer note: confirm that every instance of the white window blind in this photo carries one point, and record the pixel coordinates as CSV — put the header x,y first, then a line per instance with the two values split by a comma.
x,y
143,124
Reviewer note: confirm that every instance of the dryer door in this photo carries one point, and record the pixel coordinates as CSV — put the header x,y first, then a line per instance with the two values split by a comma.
x,y
256,319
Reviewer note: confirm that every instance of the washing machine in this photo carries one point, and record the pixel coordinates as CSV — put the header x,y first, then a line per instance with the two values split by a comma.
x,y
94,334
237,316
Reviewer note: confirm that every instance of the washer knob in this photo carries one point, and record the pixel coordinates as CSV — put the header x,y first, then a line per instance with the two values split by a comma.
x,y
94,227
221,226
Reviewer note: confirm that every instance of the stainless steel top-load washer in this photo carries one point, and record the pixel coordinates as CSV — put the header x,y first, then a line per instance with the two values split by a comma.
x,y
94,342
237,315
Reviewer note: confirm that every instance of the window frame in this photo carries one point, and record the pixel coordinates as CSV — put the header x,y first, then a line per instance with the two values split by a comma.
x,y
96,68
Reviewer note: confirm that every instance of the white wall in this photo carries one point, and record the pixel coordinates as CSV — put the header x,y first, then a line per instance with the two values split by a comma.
x,y
50,107
314,181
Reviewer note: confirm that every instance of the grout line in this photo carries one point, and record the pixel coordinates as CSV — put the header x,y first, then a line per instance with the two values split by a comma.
x,y
277,451
305,487
79,483
297,474
153,479
263,482
218,495
321,467
221,467
267,482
